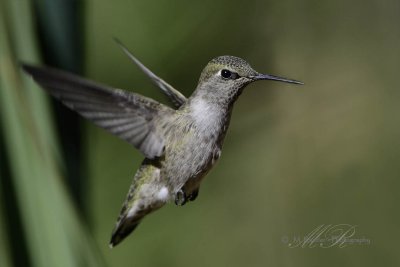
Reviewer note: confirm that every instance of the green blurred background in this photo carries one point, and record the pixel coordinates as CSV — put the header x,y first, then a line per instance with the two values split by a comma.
x,y
294,158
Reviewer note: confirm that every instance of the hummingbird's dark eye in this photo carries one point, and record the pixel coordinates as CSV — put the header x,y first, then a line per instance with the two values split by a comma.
x,y
228,74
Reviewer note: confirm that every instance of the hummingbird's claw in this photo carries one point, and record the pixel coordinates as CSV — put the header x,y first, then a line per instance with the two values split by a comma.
x,y
193,195
180,198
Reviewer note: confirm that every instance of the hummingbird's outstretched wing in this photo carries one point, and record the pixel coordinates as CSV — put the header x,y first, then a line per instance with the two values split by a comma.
x,y
174,95
130,116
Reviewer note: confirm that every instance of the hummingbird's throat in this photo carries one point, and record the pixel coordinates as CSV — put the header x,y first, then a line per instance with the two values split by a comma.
x,y
207,116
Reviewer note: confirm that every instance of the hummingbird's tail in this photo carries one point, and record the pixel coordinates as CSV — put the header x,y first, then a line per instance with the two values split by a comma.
x,y
147,193
122,230
130,220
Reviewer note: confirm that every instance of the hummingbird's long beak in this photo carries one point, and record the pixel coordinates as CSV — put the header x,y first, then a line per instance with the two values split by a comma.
x,y
260,76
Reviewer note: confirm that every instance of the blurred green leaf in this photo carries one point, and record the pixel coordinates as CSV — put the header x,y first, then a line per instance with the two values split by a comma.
x,y
5,253
55,234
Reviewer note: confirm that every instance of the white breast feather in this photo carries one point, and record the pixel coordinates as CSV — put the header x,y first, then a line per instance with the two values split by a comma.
x,y
205,115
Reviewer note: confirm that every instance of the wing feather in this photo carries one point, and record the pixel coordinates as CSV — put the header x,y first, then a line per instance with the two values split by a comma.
x,y
129,116
174,95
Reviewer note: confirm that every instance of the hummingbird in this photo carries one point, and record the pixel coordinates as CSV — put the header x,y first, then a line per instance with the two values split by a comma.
x,y
180,143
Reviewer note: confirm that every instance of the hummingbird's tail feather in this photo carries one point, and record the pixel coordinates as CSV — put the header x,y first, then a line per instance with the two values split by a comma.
x,y
130,219
131,117
123,231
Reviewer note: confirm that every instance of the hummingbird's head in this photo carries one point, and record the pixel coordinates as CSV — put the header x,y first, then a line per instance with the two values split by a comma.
x,y
226,76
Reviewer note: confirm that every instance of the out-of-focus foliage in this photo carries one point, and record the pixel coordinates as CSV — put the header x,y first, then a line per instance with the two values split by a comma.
x,y
294,157
39,225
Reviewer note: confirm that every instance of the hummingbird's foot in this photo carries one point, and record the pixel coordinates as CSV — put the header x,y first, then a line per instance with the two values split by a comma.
x,y
180,198
193,195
